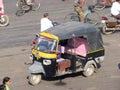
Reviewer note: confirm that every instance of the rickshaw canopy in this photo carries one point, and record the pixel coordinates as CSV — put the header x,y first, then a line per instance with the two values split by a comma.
x,y
78,29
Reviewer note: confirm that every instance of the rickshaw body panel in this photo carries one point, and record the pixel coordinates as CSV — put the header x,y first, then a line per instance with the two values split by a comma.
x,y
40,66
39,54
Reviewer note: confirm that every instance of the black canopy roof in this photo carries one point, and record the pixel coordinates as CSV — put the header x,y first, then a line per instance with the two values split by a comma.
x,y
72,29
76,29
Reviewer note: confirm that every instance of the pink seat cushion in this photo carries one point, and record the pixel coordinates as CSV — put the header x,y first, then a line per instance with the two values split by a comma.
x,y
77,46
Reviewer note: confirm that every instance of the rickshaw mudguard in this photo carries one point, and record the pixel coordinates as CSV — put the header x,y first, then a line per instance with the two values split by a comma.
x,y
36,68
90,62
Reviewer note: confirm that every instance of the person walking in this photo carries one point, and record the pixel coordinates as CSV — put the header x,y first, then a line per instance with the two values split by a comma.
x,y
6,84
45,22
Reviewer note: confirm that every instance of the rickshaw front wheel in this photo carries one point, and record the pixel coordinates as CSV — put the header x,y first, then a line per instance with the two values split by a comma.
x,y
35,79
89,70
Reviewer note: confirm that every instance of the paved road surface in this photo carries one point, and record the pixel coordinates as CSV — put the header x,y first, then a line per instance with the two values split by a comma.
x,y
15,50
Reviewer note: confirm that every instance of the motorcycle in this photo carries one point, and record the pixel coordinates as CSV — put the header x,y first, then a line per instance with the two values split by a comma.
x,y
110,24
4,20
23,7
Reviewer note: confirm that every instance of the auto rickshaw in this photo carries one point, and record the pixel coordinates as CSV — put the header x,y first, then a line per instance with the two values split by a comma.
x,y
65,49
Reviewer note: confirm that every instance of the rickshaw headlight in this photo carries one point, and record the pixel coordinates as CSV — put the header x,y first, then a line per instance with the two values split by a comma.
x,y
47,62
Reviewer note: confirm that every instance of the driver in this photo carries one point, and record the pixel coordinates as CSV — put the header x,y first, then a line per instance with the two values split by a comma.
x,y
115,9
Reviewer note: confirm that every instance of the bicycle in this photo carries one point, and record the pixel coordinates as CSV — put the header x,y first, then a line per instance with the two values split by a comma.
x,y
22,6
87,16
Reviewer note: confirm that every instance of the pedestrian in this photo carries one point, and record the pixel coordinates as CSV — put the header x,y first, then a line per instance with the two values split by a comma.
x,y
45,22
115,9
6,84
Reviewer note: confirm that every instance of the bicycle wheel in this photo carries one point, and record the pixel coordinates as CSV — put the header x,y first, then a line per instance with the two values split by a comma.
x,y
106,31
92,18
36,5
71,17
20,4
99,7
102,4
20,12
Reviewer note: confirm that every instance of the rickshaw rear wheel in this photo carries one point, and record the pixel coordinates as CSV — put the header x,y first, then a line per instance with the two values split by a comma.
x,y
35,79
90,69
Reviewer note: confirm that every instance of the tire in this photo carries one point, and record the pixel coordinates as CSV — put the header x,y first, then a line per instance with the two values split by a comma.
x,y
99,7
89,70
71,17
92,18
4,20
36,5
20,12
34,79
107,32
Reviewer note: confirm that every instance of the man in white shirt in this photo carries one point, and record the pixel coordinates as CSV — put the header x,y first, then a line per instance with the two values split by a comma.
x,y
45,22
115,9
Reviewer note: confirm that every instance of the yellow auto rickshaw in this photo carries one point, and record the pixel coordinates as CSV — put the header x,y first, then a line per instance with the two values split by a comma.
x,y
65,49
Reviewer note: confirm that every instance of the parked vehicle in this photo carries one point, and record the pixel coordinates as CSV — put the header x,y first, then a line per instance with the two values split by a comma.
x,y
66,49
110,24
23,7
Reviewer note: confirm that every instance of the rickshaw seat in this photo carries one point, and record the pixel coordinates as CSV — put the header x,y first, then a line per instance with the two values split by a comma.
x,y
77,46
64,64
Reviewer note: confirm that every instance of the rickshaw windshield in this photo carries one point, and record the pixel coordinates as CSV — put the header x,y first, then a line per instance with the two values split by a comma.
x,y
46,45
